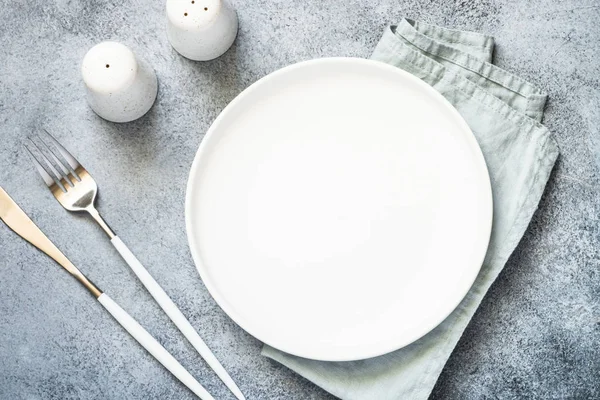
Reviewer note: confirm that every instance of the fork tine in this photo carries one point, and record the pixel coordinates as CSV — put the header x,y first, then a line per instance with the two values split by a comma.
x,y
56,175
71,161
61,165
48,178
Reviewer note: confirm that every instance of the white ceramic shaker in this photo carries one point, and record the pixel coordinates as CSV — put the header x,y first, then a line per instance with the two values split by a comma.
x,y
120,86
201,29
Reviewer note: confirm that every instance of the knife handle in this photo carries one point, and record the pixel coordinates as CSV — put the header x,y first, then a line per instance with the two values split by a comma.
x,y
153,347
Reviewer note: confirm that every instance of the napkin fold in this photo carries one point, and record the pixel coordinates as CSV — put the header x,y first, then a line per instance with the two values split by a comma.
x,y
504,112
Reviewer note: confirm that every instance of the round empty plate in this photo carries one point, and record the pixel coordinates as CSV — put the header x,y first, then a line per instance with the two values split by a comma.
x,y
338,209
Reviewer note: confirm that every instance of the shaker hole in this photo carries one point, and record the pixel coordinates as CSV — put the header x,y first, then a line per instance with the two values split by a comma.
x,y
185,14
205,8
107,65
193,1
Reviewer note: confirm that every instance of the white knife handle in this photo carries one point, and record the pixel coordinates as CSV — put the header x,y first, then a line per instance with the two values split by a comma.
x,y
175,315
153,347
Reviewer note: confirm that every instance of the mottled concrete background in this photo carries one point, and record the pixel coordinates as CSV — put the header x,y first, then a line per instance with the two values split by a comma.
x,y
537,334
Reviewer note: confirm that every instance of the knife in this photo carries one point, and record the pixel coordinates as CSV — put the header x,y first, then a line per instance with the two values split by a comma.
x,y
22,225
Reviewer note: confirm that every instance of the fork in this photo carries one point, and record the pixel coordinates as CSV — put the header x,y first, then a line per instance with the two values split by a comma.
x,y
76,190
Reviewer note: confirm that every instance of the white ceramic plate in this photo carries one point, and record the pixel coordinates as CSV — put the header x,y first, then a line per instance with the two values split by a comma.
x,y
338,209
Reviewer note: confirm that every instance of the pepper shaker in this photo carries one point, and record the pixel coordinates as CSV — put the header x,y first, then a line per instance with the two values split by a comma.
x,y
120,86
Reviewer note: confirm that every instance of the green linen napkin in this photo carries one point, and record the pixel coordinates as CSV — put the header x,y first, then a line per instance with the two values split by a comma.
x,y
504,113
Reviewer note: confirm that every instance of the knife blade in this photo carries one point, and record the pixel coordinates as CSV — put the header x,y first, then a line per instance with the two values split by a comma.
x,y
16,219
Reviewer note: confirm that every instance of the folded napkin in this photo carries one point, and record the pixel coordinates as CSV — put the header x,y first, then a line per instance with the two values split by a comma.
x,y
504,113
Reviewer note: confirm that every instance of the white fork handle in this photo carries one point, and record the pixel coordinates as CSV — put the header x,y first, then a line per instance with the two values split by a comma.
x,y
153,347
176,316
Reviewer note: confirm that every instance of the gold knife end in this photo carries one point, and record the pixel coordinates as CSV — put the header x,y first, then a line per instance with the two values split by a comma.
x,y
16,219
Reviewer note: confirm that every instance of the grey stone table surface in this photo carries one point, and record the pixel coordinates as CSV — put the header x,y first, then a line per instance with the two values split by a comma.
x,y
536,335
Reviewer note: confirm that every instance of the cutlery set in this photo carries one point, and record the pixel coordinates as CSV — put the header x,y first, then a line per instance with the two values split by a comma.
x,y
76,191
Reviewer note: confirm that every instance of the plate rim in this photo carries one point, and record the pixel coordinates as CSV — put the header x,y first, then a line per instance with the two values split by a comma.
x,y
194,170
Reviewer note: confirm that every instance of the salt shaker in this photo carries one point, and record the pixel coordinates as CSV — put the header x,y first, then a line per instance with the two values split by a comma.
x,y
120,86
201,29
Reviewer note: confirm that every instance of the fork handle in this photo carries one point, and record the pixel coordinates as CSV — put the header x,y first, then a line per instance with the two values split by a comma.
x,y
175,315
153,347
